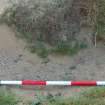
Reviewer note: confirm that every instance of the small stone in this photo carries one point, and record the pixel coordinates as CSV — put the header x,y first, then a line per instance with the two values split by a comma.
x,y
16,60
45,61
38,76
20,55
73,67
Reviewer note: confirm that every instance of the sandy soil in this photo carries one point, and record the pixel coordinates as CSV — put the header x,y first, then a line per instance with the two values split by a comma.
x,y
18,63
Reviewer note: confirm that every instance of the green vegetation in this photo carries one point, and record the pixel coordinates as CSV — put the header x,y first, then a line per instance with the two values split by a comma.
x,y
69,48
44,24
52,26
40,49
100,25
7,98
92,96
61,47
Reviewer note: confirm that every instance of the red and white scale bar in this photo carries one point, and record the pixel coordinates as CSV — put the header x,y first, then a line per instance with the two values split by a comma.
x,y
55,83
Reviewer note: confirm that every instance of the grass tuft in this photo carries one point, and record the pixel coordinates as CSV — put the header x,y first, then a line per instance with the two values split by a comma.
x,y
7,97
91,96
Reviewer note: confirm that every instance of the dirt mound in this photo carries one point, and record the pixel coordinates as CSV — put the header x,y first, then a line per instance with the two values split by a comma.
x,y
53,21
